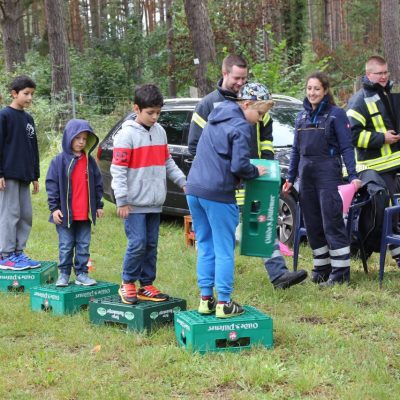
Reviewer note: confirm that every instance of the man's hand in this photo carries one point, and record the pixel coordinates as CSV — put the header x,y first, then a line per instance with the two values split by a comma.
x,y
391,137
261,170
286,188
123,211
35,189
2,184
57,217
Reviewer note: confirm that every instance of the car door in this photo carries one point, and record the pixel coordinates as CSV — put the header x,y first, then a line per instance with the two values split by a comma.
x,y
175,123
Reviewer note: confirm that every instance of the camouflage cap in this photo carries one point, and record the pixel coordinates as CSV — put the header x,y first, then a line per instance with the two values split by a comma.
x,y
254,91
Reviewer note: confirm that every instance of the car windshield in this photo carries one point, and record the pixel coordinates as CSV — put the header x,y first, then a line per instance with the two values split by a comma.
x,y
283,126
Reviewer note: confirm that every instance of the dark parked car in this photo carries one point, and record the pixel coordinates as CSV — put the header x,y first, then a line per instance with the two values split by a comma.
x,y
175,118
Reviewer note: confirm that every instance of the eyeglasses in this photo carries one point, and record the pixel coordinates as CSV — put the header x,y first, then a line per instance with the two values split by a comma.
x,y
381,74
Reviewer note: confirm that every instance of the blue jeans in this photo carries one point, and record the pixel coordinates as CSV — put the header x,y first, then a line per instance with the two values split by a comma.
x,y
141,253
275,265
214,224
75,239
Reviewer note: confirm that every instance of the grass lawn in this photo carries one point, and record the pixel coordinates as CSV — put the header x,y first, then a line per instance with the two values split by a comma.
x,y
341,343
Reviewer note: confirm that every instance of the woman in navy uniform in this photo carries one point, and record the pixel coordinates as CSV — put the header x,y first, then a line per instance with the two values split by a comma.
x,y
322,136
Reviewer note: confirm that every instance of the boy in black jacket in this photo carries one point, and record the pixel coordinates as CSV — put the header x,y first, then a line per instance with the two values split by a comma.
x,y
19,166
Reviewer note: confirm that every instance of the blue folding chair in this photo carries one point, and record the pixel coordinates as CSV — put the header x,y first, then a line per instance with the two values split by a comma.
x,y
388,237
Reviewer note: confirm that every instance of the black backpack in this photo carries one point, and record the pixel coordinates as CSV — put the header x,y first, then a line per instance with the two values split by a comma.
x,y
369,218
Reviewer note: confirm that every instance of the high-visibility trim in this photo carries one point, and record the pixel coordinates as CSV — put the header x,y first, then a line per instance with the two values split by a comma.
x,y
320,251
198,120
386,150
267,145
319,262
266,119
240,197
363,139
382,163
340,252
258,140
340,263
356,115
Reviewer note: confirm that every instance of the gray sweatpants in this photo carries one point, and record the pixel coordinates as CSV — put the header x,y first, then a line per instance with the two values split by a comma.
x,y
15,216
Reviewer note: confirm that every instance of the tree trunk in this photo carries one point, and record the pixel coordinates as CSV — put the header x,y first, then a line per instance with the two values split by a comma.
x,y
202,41
76,25
170,47
10,16
391,36
95,18
60,68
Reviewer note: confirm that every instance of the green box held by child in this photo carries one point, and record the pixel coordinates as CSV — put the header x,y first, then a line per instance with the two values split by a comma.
x,y
260,211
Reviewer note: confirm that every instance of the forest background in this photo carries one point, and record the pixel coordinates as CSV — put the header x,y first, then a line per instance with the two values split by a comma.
x,y
87,56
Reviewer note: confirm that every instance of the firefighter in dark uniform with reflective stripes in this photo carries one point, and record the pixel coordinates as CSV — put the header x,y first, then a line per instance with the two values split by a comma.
x,y
374,125
234,70
322,136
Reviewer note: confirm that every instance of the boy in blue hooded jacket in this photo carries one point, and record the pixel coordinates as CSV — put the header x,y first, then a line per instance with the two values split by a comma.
x,y
222,162
74,187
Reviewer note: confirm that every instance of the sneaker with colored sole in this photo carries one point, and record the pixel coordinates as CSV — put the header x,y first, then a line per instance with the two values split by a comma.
x,y
14,263
127,293
228,310
84,280
22,257
151,293
207,306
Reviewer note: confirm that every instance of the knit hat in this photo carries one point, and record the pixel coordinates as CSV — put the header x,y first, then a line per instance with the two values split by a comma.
x,y
254,91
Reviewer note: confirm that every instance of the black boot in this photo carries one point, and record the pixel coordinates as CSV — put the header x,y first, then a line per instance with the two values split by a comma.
x,y
289,278
338,276
320,275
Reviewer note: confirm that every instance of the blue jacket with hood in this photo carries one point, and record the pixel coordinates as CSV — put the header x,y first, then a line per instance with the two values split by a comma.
x,y
222,156
58,179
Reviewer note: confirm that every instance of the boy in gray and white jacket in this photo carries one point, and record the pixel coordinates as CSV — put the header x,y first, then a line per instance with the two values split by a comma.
x,y
140,167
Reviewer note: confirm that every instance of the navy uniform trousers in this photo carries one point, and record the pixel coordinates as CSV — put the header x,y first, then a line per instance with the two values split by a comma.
x,y
321,204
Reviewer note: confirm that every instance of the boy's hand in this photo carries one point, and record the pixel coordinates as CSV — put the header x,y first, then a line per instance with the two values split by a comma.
x,y
100,213
35,187
357,183
286,188
261,170
123,211
57,217
2,184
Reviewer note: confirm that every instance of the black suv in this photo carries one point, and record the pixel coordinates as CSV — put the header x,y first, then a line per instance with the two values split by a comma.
x,y
175,118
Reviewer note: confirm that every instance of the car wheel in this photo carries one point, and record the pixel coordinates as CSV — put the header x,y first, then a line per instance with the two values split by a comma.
x,y
286,220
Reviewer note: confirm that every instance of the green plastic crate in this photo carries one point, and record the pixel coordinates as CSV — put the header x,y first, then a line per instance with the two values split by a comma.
x,y
70,299
22,281
145,315
260,211
204,333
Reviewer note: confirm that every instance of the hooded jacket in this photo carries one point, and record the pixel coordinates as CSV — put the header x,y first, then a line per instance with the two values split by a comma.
x,y
58,179
140,167
223,155
370,114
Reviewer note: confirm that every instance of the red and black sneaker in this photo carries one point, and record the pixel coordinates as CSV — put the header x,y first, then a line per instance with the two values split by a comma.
x,y
127,293
151,293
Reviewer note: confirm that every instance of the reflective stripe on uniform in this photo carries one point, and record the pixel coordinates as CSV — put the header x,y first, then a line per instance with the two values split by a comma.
x,y
357,116
267,145
381,163
340,263
240,197
266,119
340,252
363,139
198,120
320,251
319,262
258,140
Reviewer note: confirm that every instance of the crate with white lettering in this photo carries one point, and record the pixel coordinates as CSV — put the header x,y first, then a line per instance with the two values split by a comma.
x,y
22,281
145,315
204,333
70,299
